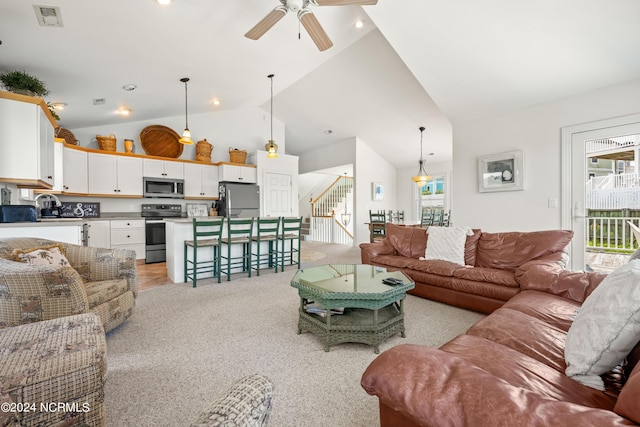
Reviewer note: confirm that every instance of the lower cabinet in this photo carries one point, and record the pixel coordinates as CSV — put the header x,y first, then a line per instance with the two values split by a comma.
x,y
67,233
99,234
128,234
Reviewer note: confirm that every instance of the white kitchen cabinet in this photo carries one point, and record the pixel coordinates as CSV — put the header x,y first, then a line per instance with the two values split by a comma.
x,y
162,169
26,132
70,232
234,173
200,181
74,173
113,175
128,234
99,234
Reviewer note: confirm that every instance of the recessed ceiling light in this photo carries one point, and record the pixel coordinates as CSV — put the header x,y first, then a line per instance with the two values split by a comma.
x,y
215,101
359,23
163,2
124,111
129,87
328,132
59,105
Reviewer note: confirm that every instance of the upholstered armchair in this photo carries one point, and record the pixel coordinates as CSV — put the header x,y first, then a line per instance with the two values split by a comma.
x,y
102,281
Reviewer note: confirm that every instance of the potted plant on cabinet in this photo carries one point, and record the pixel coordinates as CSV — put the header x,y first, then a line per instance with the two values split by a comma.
x,y
26,84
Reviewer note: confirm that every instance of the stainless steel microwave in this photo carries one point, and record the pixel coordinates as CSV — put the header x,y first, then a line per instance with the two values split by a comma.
x,y
163,188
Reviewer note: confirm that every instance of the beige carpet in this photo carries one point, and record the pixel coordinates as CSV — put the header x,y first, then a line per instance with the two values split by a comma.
x,y
183,346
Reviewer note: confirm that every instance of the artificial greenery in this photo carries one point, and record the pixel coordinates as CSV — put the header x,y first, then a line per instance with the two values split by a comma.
x,y
21,80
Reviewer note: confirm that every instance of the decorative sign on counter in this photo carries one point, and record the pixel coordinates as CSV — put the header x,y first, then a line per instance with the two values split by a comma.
x,y
80,210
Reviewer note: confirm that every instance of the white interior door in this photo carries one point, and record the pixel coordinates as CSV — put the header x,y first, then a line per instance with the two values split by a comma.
x,y
575,176
277,188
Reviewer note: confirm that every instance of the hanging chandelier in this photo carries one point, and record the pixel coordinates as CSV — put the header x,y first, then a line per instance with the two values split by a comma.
x,y
346,216
271,146
186,134
422,176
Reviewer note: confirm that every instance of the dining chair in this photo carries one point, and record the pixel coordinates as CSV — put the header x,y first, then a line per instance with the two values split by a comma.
x,y
427,218
377,226
206,234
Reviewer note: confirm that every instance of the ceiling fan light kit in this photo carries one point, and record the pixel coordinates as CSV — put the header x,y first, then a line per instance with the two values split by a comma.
x,y
305,16
422,176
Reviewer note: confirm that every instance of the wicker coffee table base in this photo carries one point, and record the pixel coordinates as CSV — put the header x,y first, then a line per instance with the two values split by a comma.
x,y
360,325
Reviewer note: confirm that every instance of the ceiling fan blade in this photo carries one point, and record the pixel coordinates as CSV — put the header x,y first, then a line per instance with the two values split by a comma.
x,y
266,23
344,2
315,30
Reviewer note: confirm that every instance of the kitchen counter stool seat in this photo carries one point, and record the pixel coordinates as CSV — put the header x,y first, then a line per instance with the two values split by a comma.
x,y
267,230
239,232
206,234
290,236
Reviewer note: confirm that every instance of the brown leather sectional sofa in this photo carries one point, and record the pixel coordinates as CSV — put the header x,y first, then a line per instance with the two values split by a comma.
x,y
493,263
508,369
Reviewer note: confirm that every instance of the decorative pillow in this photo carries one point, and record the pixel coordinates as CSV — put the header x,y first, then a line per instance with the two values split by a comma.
x,y
45,255
447,243
606,327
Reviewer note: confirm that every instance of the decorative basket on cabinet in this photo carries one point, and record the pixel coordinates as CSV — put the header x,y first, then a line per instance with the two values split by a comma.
x,y
107,143
203,151
237,156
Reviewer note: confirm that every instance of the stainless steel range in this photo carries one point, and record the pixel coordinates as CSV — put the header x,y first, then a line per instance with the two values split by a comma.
x,y
155,238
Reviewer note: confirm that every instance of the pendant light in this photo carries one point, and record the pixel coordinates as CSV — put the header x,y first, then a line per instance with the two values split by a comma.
x,y
346,216
422,177
271,146
186,135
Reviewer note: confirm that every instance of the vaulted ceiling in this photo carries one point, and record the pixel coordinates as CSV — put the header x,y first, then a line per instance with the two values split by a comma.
x,y
414,63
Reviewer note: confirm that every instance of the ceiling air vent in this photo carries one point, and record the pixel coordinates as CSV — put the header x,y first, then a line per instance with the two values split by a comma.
x,y
99,101
48,16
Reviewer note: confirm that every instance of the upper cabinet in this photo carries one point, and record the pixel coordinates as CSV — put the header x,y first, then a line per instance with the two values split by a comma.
x,y
200,181
115,176
234,173
162,169
26,141
75,172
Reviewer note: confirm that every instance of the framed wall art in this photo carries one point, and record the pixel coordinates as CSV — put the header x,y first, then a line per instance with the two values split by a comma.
x,y
501,172
377,190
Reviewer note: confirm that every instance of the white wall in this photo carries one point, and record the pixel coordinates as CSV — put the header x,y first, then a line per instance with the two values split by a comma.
x,y
242,128
537,130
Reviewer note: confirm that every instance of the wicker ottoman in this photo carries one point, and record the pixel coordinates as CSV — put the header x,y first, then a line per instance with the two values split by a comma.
x,y
52,372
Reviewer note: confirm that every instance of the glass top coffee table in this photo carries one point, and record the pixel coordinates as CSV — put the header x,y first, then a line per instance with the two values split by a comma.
x,y
350,303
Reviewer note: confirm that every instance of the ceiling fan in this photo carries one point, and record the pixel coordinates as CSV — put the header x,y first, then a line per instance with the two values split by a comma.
x,y
308,19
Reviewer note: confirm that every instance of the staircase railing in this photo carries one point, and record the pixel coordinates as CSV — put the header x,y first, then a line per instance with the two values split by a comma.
x,y
324,226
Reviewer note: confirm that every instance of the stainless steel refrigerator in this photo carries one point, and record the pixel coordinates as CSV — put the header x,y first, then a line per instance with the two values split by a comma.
x,y
238,200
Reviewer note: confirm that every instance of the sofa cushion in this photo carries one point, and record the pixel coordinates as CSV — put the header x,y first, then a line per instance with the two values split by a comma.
x,y
392,261
447,244
44,255
507,251
553,310
434,266
104,290
407,241
627,404
489,275
606,328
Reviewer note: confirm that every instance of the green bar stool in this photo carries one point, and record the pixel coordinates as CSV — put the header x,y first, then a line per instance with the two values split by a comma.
x,y
206,234
239,232
267,230
290,232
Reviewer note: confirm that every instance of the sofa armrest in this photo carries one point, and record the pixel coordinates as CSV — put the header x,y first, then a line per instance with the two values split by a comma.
x,y
245,403
372,250
546,276
33,293
94,264
427,384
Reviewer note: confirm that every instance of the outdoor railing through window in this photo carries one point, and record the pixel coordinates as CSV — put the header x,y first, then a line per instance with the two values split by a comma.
x,y
611,234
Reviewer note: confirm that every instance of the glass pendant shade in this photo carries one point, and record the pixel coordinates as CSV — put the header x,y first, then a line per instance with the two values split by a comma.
x,y
422,176
186,134
271,147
